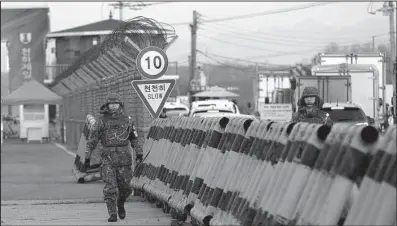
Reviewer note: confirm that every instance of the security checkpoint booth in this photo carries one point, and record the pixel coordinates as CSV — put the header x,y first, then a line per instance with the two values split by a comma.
x,y
33,100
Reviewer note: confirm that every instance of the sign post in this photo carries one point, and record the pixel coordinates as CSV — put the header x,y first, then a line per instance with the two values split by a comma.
x,y
154,93
152,63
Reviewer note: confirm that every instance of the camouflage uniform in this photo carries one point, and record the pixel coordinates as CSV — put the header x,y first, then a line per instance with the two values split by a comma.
x,y
311,114
116,132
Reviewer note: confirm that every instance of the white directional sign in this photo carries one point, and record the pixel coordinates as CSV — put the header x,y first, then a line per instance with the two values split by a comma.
x,y
152,62
154,93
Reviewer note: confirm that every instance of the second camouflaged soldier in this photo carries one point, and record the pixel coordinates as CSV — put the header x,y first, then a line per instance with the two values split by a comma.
x,y
116,132
309,108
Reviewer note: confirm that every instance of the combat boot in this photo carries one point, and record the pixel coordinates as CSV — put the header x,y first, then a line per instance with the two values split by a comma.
x,y
111,205
113,218
121,209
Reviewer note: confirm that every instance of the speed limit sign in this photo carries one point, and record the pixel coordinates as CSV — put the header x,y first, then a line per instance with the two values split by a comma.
x,y
152,62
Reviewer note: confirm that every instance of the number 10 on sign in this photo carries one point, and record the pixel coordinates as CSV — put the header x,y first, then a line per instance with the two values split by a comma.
x,y
152,62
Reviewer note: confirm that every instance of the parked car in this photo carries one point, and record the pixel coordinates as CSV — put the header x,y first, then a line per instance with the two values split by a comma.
x,y
346,113
216,105
175,109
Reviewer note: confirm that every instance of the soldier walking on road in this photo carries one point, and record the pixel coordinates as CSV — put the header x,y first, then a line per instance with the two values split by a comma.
x,y
116,132
309,108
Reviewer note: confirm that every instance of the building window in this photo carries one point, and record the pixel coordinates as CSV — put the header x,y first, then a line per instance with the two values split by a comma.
x,y
95,41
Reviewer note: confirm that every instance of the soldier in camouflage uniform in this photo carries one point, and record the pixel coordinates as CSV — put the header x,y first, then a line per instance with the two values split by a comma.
x,y
309,108
116,132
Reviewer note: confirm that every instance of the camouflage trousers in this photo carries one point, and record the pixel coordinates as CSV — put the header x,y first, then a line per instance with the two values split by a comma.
x,y
117,180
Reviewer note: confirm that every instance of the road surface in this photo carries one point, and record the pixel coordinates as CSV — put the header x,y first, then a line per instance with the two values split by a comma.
x,y
38,187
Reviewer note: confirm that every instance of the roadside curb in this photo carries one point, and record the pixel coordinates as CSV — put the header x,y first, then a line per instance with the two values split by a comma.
x,y
63,148
61,202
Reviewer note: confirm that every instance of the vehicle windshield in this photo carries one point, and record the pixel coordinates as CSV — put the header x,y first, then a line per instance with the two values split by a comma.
x,y
174,111
346,114
210,112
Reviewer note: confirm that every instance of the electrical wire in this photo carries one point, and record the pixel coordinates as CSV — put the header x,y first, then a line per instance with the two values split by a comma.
x,y
287,42
272,34
236,59
251,15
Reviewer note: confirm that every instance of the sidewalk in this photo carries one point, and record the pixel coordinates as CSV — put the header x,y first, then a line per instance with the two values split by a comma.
x,y
78,213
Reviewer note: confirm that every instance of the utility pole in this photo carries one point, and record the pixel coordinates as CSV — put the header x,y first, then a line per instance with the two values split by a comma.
x,y
193,54
393,54
120,5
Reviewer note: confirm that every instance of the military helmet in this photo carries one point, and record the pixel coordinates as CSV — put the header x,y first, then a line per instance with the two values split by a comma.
x,y
310,91
114,98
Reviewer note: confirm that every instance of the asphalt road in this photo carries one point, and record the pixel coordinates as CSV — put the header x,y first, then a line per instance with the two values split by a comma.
x,y
41,172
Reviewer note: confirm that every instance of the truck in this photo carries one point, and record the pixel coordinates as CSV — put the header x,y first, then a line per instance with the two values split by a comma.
x,y
345,83
378,60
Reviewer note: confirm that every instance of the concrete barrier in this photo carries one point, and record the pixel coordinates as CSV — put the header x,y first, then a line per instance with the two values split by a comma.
x,y
236,171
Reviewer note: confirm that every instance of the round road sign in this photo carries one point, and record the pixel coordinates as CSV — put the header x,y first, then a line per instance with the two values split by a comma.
x,y
152,62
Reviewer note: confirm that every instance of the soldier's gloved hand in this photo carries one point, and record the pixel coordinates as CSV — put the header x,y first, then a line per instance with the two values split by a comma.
x,y
87,163
139,157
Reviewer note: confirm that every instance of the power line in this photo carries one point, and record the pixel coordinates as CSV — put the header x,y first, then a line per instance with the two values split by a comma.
x,y
286,41
290,36
251,15
236,59
272,12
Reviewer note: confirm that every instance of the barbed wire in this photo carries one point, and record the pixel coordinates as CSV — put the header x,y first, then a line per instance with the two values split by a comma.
x,y
141,31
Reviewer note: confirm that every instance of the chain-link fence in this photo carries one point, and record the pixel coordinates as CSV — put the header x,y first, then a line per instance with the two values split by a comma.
x,y
109,67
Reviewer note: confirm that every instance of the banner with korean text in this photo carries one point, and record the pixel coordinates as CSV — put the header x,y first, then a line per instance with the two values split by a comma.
x,y
25,31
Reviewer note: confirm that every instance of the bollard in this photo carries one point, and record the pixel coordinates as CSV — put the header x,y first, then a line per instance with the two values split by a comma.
x,y
230,168
196,179
232,181
334,156
269,158
348,171
225,141
263,128
305,160
239,176
273,199
259,186
188,160
212,156
227,167
369,185
235,144
202,132
307,199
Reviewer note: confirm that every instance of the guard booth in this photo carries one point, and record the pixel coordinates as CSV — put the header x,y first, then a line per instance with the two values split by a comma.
x,y
33,100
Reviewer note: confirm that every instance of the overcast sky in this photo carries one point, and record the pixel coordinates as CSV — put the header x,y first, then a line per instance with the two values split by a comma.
x,y
302,25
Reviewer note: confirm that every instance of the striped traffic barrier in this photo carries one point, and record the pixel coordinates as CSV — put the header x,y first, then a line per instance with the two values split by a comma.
x,y
375,177
190,146
273,197
226,167
268,157
307,198
249,211
179,201
233,142
194,182
236,180
259,184
81,173
230,168
210,161
232,171
331,162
